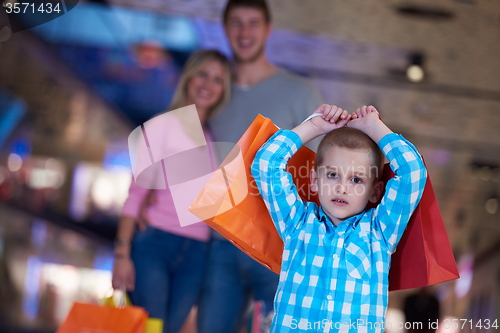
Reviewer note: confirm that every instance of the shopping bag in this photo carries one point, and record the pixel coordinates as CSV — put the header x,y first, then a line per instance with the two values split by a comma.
x,y
230,203
423,256
152,325
94,318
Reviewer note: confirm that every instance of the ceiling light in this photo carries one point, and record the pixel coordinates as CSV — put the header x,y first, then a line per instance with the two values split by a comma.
x,y
415,71
491,205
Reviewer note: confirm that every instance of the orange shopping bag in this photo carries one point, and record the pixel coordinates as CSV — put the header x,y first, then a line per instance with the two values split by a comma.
x,y
152,325
423,256
231,204
93,318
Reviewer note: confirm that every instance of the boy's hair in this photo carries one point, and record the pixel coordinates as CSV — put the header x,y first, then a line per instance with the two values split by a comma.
x,y
351,138
255,4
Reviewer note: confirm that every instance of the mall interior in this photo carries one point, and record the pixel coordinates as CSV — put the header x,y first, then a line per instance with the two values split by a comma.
x,y
75,84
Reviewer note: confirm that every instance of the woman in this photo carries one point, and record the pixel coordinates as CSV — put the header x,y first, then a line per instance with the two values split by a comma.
x,y
162,263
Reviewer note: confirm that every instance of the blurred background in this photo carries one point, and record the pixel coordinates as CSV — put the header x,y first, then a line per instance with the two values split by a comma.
x,y
73,88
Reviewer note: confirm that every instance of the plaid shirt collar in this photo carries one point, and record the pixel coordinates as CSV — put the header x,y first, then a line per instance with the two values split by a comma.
x,y
350,222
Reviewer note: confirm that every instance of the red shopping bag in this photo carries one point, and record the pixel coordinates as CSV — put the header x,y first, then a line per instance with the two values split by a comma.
x,y
93,318
423,256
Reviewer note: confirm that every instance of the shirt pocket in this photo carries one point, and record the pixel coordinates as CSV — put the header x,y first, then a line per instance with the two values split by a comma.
x,y
358,261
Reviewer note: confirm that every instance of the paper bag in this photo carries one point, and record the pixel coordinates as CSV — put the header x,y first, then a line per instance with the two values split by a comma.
x,y
152,325
93,318
231,204
423,256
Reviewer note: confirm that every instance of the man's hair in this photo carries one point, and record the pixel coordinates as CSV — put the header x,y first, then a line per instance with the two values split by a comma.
x,y
351,138
255,4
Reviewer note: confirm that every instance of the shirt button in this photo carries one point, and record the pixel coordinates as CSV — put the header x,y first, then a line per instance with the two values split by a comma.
x,y
335,256
329,297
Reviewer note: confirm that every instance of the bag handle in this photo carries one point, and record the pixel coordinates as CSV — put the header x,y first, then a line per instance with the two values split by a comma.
x,y
118,298
317,114
122,301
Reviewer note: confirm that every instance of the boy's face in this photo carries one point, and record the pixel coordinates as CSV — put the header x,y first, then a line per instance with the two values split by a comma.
x,y
247,32
345,182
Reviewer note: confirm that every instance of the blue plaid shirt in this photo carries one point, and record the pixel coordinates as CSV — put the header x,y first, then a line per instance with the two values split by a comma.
x,y
335,279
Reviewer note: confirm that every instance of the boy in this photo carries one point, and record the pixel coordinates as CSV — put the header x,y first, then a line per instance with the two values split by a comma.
x,y
336,258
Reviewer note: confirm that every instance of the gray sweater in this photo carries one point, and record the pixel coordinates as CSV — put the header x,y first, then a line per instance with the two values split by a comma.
x,y
287,99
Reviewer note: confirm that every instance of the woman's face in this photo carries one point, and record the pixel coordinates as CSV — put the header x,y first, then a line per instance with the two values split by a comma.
x,y
206,86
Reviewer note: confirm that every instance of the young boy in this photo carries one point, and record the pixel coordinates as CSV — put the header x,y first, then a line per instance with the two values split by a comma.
x,y
336,258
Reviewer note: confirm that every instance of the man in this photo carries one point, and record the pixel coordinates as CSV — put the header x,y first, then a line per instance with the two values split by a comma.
x,y
233,279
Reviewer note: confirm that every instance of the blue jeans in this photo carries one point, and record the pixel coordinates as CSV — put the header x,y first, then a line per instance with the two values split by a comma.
x,y
169,273
232,280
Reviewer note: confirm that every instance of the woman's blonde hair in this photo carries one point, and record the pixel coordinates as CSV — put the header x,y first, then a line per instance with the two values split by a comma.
x,y
193,64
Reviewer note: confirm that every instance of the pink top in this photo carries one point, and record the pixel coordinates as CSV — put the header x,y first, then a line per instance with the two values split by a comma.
x,y
162,214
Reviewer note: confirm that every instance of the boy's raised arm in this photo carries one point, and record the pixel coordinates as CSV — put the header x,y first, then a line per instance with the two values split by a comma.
x,y
269,167
404,190
275,184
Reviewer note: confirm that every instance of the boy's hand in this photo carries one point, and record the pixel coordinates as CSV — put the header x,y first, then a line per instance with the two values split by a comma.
x,y
363,111
363,117
367,119
332,118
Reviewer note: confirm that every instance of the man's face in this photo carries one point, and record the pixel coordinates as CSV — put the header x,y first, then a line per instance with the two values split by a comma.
x,y
247,31
345,182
